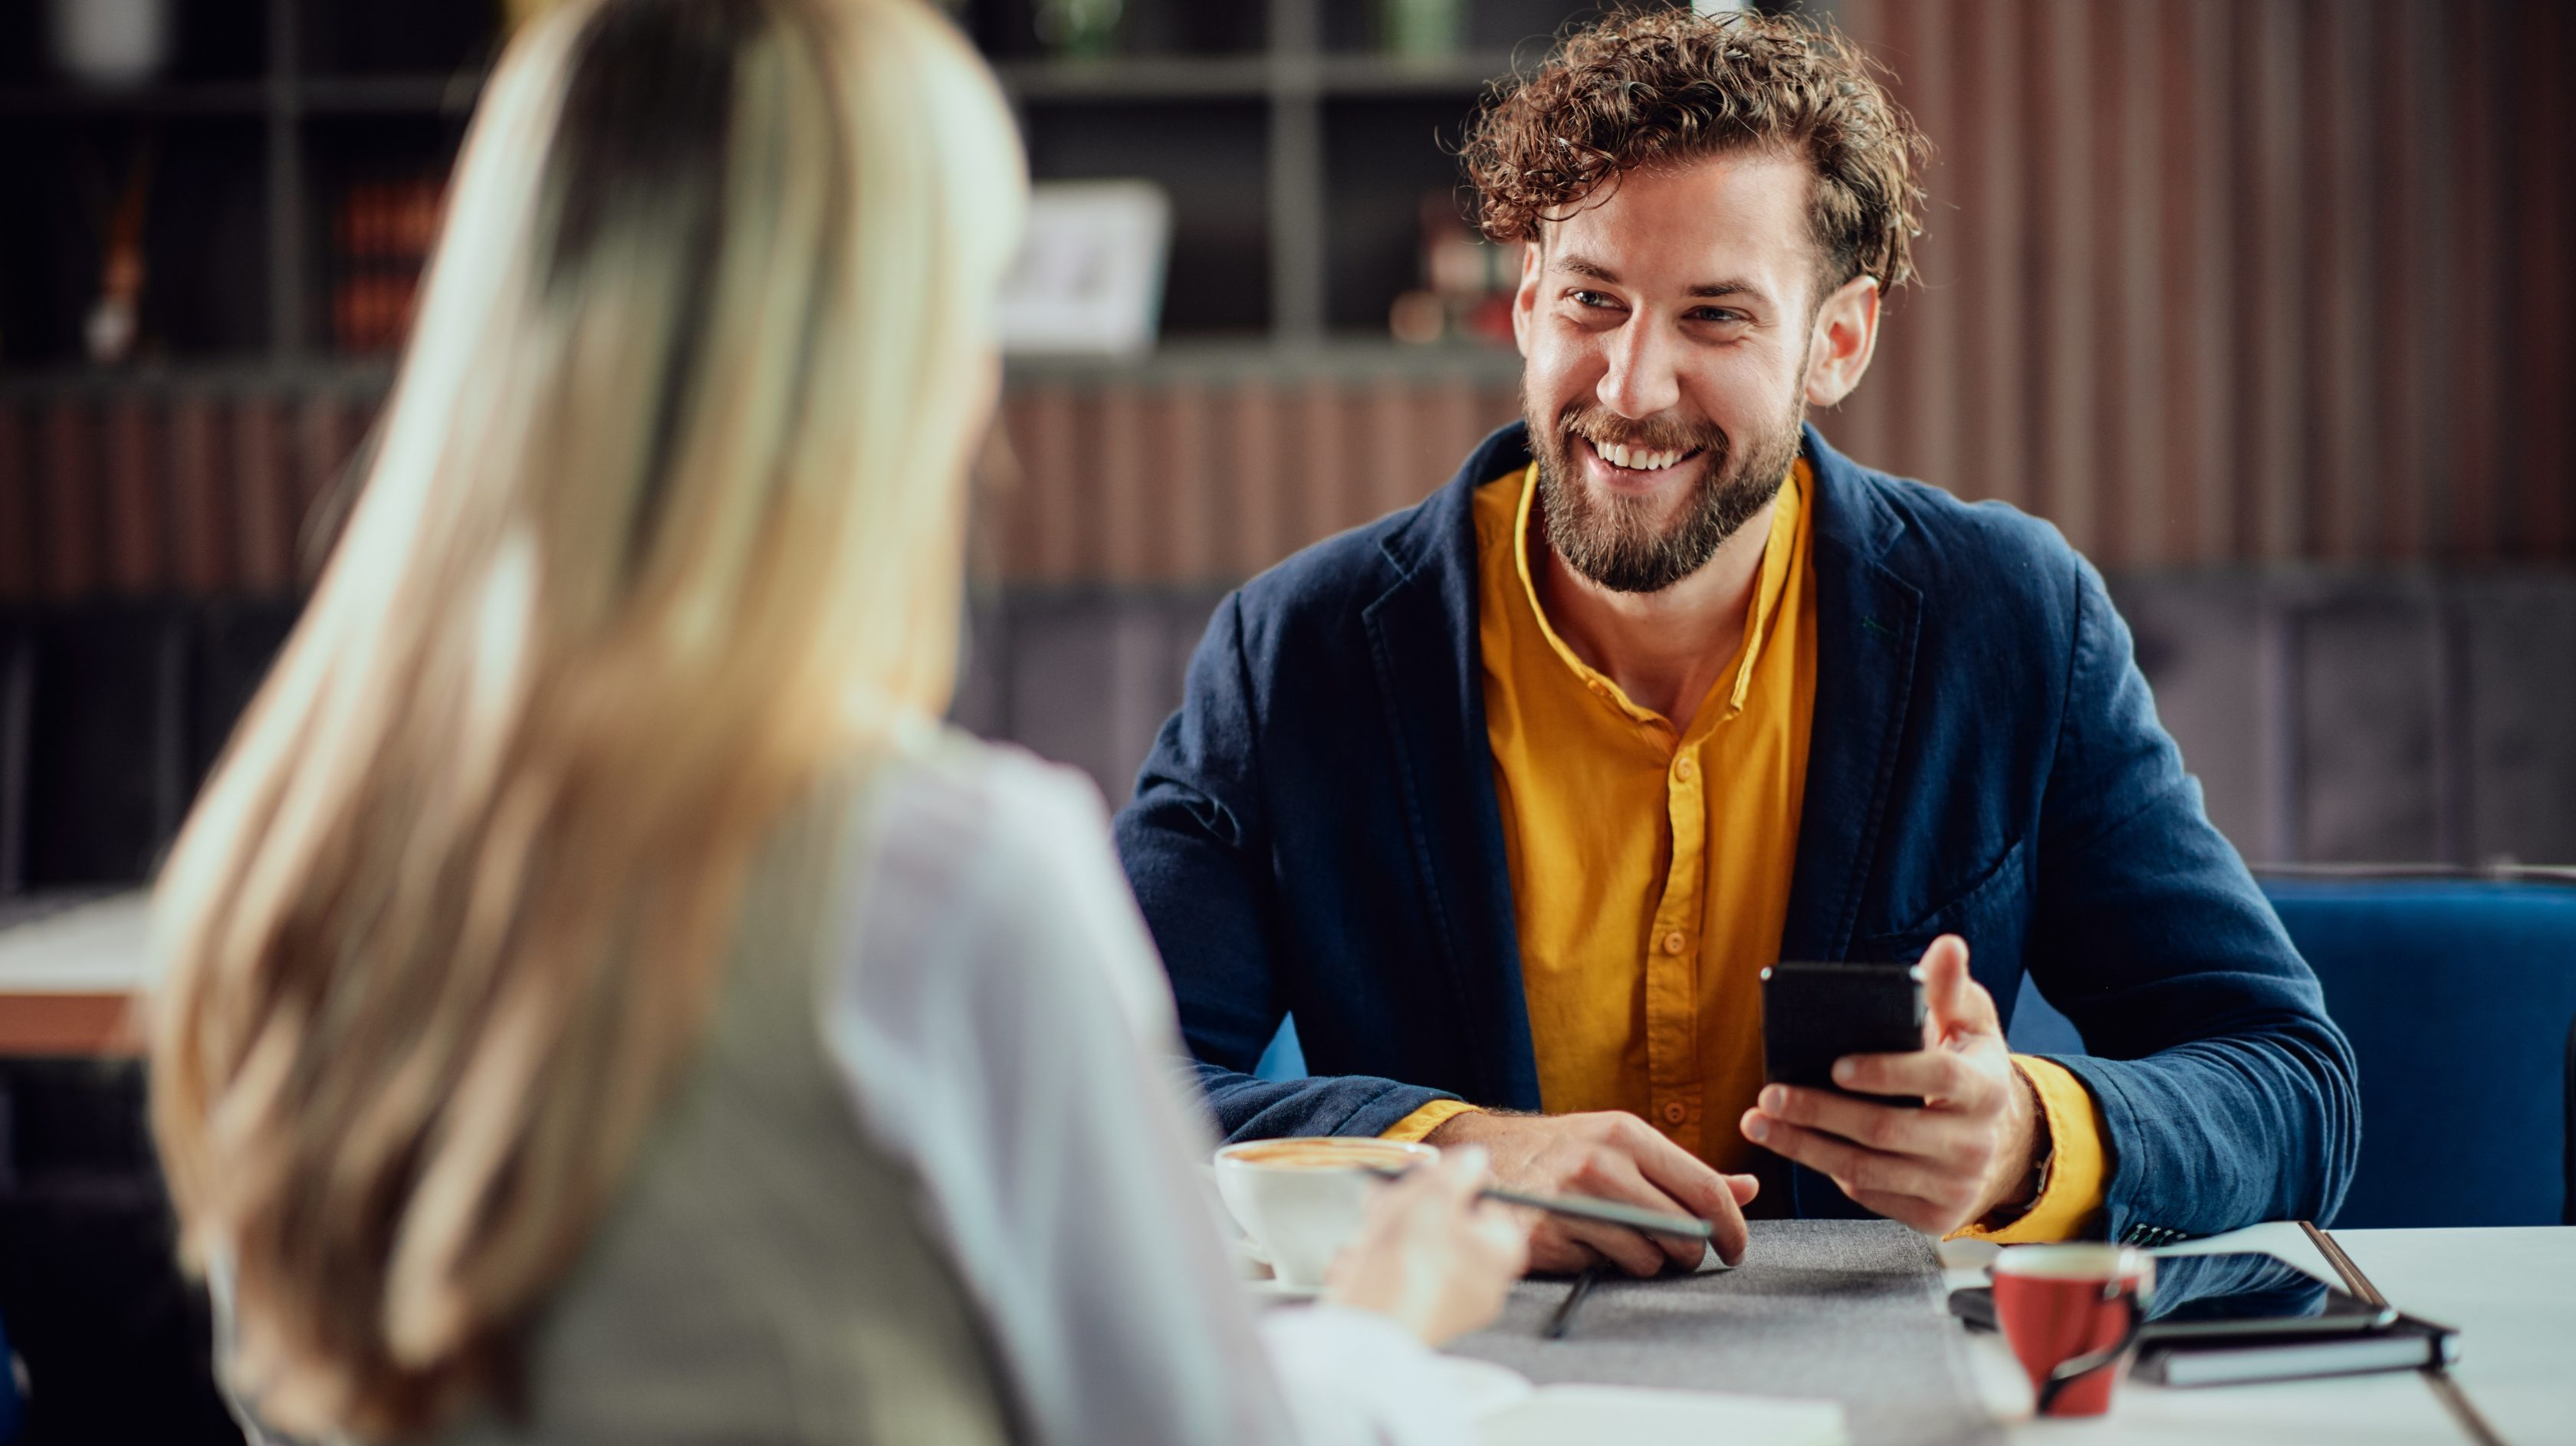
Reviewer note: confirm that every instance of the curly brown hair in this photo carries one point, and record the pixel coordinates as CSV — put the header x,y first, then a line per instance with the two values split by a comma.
x,y
1640,87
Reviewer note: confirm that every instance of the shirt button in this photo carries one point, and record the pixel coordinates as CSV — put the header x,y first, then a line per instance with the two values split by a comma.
x,y
1684,768
1676,1112
1673,942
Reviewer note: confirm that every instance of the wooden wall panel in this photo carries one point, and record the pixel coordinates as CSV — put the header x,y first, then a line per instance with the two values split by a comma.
x,y
68,470
1253,481
133,477
329,426
2544,154
201,512
268,517
1220,480
19,542
2213,281
1121,534
2203,282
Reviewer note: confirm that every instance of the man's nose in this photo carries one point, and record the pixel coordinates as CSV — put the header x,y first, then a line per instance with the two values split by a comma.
x,y
1641,380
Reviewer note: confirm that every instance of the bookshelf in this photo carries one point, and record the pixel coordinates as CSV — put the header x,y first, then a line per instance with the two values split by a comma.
x,y
268,111
1297,154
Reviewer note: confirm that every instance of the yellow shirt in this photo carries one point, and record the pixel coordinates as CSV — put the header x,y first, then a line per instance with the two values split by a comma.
x,y
1642,947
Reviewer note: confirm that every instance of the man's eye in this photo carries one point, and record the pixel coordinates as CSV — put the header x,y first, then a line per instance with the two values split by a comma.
x,y
1593,299
1717,314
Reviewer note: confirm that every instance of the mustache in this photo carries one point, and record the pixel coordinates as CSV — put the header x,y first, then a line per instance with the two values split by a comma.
x,y
1654,434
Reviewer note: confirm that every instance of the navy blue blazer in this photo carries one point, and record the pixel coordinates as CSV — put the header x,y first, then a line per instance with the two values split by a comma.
x,y
1316,832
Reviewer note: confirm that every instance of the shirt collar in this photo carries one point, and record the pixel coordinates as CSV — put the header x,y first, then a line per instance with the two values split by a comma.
x,y
1779,551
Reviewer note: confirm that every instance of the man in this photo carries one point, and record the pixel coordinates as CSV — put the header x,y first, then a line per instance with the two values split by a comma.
x,y
1510,797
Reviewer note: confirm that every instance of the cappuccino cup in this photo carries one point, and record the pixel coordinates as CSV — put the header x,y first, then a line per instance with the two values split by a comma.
x,y
2059,1302
1301,1200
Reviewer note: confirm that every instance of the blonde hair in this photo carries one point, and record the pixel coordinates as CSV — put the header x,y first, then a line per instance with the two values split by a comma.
x,y
663,524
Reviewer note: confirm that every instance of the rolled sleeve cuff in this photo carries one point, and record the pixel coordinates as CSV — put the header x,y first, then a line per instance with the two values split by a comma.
x,y
1431,1117
2079,1166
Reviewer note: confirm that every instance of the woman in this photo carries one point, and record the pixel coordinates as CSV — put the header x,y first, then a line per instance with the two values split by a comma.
x,y
598,1002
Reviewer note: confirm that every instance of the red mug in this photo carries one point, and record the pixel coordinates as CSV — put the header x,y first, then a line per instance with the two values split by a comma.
x,y
2070,1312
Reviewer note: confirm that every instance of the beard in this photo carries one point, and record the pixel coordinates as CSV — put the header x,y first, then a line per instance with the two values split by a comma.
x,y
1617,541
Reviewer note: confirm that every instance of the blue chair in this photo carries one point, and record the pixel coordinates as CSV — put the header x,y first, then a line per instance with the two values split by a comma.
x,y
1285,1058
2457,991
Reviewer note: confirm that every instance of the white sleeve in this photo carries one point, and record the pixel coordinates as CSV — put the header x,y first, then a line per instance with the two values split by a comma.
x,y
1357,1379
1002,1024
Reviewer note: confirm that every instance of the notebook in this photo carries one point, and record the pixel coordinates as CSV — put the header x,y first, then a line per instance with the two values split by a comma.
x,y
2404,1344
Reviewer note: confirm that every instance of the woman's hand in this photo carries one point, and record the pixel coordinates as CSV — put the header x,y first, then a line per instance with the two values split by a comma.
x,y
1429,1255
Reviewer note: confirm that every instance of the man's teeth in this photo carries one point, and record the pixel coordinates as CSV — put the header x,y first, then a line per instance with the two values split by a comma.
x,y
1635,459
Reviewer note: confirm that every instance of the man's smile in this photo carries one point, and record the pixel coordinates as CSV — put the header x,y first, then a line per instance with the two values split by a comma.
x,y
1634,470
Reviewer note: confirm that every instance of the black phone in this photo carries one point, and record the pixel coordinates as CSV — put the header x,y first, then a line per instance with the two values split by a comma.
x,y
1814,1014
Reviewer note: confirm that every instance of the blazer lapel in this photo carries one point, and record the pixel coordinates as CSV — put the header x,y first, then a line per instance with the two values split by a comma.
x,y
1423,644
1422,635
1867,619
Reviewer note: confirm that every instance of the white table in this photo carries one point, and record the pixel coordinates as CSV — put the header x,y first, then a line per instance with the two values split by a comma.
x,y
2512,1293
67,979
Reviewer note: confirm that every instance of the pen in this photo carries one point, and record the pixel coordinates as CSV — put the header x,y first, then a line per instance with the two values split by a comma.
x,y
1584,1207
1563,1320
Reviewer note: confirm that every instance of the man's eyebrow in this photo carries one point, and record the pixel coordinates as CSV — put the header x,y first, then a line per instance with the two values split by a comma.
x,y
1585,266
1706,290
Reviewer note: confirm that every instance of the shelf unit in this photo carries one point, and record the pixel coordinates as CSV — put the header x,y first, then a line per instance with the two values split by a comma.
x,y
268,110
1297,157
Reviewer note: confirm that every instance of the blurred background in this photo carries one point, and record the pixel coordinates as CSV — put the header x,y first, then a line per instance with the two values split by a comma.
x,y
2266,303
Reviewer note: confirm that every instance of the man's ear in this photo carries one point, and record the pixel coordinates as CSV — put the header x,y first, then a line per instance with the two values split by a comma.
x,y
1845,336
1525,300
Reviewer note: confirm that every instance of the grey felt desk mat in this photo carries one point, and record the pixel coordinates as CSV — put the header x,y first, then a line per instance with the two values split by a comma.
x,y
1843,1309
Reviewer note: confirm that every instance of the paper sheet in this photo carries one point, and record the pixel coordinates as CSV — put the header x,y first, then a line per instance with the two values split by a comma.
x,y
1640,1416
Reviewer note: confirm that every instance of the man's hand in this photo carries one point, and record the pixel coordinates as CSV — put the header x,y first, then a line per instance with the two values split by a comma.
x,y
1610,1155
1954,1161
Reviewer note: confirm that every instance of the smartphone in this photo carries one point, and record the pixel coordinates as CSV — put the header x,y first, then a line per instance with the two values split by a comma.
x,y
1814,1014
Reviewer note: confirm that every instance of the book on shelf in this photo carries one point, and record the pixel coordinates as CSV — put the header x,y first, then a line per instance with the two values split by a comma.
x,y
383,231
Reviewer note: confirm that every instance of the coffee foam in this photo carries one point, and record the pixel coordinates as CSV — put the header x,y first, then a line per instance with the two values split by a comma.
x,y
2073,1260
